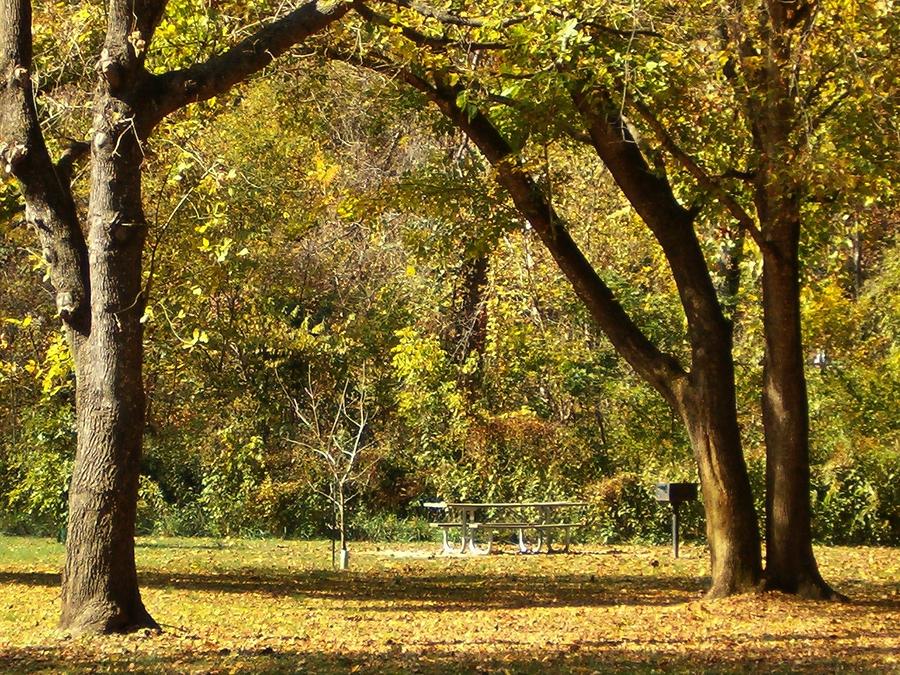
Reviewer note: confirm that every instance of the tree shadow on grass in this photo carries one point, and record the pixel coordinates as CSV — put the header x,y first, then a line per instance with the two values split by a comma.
x,y
396,592
182,545
392,592
867,593
440,658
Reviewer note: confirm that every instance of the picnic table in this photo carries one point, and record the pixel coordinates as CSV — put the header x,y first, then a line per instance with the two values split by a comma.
x,y
471,517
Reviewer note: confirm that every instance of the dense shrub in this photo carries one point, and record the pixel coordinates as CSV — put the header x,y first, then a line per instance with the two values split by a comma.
x,y
388,527
36,467
857,501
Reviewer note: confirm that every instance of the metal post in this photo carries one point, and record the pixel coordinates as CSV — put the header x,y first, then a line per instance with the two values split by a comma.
x,y
675,529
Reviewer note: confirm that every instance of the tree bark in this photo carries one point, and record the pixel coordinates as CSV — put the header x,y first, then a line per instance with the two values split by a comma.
x,y
707,403
99,580
100,589
790,563
708,409
49,206
779,186
342,527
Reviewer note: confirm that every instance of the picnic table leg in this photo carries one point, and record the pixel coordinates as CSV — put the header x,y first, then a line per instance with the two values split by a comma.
x,y
448,547
522,547
464,533
544,534
468,541
475,549
540,540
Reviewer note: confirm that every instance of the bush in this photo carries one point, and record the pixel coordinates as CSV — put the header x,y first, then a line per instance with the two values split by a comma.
x,y
624,508
153,512
856,500
387,527
37,472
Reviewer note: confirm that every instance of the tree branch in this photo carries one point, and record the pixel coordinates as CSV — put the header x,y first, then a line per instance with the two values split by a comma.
x,y
652,197
417,37
661,370
176,89
130,25
603,28
49,206
746,176
823,114
706,181
76,151
452,19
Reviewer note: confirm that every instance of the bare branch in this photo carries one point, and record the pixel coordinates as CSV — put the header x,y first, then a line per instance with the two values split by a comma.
x,y
339,451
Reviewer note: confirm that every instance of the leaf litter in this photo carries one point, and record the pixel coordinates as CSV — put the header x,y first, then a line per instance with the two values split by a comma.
x,y
277,606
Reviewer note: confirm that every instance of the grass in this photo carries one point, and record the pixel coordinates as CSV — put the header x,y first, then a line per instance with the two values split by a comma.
x,y
276,606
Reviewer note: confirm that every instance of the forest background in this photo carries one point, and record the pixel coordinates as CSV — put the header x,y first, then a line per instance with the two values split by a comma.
x,y
322,229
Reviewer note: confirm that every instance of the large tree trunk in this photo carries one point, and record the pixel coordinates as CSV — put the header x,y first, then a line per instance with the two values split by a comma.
x,y
100,590
706,401
99,294
775,120
790,563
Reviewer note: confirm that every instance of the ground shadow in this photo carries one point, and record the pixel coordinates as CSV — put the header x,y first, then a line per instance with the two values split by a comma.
x,y
185,545
394,592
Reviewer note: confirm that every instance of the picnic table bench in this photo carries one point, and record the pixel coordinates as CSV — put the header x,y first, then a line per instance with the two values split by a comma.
x,y
470,518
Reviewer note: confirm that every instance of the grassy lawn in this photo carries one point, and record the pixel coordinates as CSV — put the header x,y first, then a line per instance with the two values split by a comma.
x,y
250,606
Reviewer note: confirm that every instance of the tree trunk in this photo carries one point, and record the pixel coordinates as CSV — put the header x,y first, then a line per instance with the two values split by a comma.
x,y
98,284
708,411
706,401
790,563
471,323
100,591
775,120
341,525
